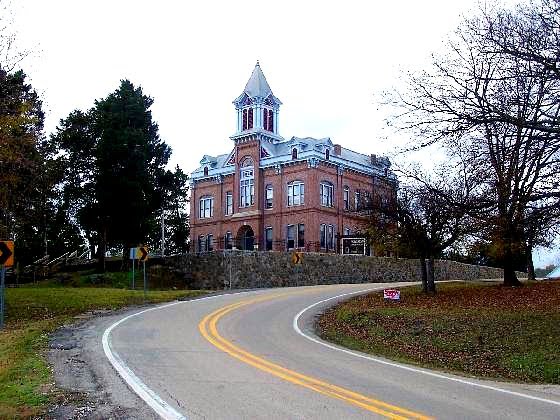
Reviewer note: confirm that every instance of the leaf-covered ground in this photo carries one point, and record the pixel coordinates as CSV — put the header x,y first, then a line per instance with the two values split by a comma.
x,y
477,329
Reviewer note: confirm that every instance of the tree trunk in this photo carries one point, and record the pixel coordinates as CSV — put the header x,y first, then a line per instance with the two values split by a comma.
x,y
102,250
530,265
510,278
424,274
431,276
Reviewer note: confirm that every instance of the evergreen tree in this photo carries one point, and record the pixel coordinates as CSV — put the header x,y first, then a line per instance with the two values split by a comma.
x,y
118,184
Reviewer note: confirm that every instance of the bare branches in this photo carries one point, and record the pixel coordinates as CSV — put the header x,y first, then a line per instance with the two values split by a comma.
x,y
493,102
10,54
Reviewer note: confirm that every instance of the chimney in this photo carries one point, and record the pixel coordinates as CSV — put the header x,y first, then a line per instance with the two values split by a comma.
x,y
337,150
373,160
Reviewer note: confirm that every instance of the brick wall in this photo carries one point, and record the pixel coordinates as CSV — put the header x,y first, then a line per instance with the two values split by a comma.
x,y
274,269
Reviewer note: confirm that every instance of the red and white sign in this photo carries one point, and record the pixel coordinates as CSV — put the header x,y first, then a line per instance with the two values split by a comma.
x,y
392,294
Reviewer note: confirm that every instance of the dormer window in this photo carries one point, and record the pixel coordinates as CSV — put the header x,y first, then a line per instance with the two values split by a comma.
x,y
247,118
327,154
268,119
206,171
294,153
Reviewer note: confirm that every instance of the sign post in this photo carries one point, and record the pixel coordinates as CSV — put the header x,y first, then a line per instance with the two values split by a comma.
x,y
133,256
142,254
2,286
6,260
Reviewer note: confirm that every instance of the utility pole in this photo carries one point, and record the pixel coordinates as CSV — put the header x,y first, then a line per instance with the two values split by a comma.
x,y
162,233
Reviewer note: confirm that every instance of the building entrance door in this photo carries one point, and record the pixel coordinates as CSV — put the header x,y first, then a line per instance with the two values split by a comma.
x,y
246,238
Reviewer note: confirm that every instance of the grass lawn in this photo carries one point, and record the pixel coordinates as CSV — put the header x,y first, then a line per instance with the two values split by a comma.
x,y
34,312
476,329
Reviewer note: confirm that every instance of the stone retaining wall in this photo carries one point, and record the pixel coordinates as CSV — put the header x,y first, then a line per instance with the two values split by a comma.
x,y
239,270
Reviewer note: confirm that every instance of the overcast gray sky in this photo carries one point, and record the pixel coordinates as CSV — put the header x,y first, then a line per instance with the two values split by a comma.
x,y
325,60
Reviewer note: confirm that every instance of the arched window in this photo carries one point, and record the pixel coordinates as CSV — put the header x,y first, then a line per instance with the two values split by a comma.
x,y
206,171
326,191
294,153
205,207
268,119
201,243
247,118
327,154
228,240
268,196
246,183
296,193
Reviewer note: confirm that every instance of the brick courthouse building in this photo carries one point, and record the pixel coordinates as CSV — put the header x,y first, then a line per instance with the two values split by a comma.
x,y
270,193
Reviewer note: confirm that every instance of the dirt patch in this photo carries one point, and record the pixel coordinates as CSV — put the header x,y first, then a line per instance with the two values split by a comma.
x,y
86,384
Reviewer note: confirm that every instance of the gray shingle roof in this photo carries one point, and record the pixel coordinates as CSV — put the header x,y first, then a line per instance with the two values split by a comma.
x,y
257,86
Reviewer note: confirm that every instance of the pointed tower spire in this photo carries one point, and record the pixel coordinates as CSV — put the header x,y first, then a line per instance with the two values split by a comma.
x,y
257,107
257,86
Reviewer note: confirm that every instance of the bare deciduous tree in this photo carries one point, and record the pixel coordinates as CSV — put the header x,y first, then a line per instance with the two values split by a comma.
x,y
495,99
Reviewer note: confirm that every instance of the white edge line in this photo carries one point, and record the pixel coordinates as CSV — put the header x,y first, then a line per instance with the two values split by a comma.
x,y
397,365
162,408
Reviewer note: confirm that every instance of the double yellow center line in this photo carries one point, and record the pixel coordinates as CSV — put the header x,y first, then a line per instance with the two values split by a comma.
x,y
208,329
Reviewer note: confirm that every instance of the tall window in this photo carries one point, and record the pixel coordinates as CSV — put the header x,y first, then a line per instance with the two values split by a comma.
x,y
296,193
346,198
291,237
347,231
268,238
210,243
294,153
357,200
268,197
327,154
201,243
247,189
268,119
206,207
326,190
330,237
296,236
229,203
247,118
206,171
301,236
326,236
228,240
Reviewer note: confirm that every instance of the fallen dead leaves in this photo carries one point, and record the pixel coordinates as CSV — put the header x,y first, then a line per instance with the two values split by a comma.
x,y
475,328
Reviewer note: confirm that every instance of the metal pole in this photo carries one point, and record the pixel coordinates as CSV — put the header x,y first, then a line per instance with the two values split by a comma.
x,y
2,285
145,283
162,234
133,264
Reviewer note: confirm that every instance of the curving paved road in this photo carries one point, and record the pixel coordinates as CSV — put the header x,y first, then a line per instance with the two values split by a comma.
x,y
242,356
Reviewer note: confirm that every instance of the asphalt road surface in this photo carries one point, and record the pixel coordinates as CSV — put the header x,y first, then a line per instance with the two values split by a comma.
x,y
253,355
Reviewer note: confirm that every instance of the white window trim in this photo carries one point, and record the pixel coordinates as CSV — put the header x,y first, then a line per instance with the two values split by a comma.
x,y
301,196
330,193
268,188
227,212
246,181
203,211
